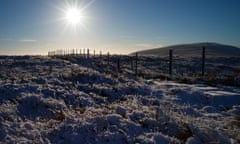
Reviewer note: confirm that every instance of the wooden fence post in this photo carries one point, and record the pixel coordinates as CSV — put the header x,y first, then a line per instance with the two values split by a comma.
x,y
136,65
84,53
108,58
88,53
118,63
170,63
203,61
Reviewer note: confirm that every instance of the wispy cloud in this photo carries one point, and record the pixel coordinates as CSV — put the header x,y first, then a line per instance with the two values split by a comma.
x,y
17,40
27,40
148,45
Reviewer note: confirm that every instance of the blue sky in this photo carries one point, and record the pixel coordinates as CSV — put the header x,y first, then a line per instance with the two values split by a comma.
x,y
118,26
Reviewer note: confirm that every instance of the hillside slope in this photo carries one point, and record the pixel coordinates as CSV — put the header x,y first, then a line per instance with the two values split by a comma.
x,y
195,49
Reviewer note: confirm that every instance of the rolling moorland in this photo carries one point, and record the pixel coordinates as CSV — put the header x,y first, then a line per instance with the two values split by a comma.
x,y
74,99
195,49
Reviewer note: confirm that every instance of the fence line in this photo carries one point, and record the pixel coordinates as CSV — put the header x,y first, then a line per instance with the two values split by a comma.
x,y
86,54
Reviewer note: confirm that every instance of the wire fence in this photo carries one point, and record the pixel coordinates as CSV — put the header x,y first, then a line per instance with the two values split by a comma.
x,y
211,70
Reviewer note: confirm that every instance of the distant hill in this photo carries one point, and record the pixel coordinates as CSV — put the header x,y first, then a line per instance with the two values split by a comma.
x,y
194,49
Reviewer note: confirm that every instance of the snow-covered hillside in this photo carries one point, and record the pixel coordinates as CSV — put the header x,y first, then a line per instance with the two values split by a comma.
x,y
45,100
195,49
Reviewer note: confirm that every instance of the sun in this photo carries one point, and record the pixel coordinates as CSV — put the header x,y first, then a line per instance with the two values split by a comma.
x,y
73,16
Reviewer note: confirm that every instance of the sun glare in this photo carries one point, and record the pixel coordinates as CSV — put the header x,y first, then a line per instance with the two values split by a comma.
x,y
73,16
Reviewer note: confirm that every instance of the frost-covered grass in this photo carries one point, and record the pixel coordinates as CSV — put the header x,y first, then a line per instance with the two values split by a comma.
x,y
45,100
218,70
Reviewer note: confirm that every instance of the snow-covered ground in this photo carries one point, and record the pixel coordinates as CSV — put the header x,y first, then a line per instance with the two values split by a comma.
x,y
45,100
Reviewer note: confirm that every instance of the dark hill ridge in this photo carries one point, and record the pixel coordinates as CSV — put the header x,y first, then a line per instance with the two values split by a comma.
x,y
195,49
